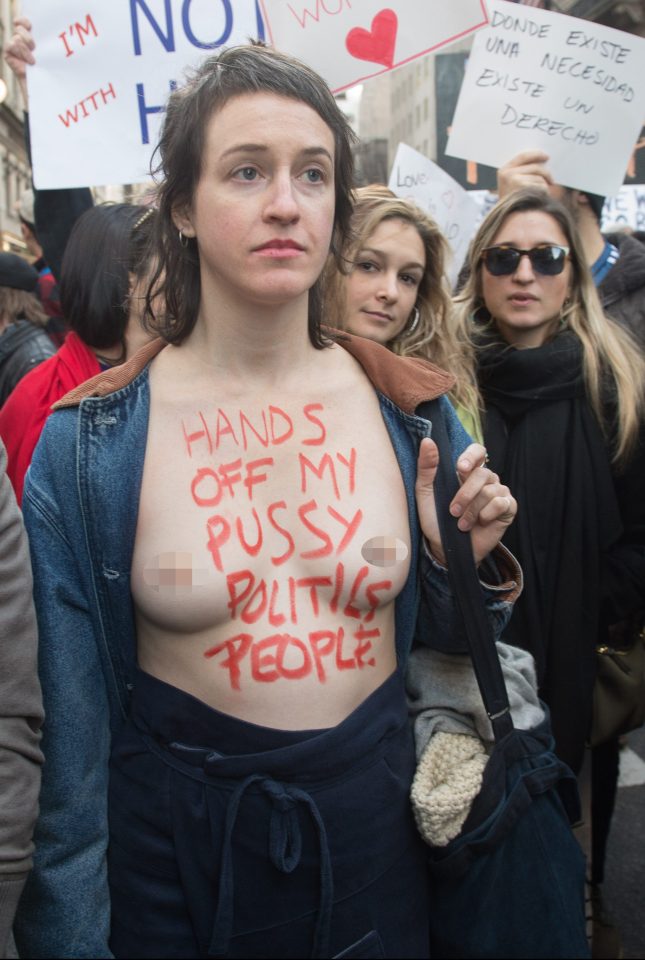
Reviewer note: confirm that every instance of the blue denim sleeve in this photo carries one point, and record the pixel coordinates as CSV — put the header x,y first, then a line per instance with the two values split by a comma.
x,y
65,909
439,624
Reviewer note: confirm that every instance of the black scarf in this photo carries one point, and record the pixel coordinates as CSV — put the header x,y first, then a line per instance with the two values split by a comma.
x,y
545,442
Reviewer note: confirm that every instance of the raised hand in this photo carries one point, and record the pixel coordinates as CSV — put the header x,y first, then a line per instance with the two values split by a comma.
x,y
484,506
19,52
526,169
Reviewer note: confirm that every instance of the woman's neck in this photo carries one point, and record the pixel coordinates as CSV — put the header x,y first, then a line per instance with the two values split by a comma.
x,y
266,342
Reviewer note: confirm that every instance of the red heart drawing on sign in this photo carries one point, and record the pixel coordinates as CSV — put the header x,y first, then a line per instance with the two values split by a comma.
x,y
376,45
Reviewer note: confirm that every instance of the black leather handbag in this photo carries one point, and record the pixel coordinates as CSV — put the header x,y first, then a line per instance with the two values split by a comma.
x,y
619,690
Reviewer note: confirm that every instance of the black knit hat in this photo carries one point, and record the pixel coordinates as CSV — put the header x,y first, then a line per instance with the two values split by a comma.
x,y
596,202
16,273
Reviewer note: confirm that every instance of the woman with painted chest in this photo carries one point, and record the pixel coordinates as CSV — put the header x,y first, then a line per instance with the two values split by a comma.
x,y
262,507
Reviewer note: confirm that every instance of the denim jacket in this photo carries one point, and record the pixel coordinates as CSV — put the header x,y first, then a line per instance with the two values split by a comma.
x,y
81,504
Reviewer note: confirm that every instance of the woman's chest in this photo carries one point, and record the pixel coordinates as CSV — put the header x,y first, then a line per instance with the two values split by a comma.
x,y
260,511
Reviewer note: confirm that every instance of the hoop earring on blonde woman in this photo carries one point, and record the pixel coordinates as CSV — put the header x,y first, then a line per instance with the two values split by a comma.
x,y
183,241
412,326
563,318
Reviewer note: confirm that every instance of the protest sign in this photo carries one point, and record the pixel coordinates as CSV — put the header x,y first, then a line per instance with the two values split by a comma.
x,y
542,80
415,177
348,41
103,74
625,209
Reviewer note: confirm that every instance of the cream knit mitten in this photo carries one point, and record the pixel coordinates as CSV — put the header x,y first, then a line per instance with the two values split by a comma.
x,y
447,780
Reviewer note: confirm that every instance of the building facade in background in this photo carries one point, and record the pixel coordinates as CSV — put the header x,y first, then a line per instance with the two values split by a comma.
x,y
15,175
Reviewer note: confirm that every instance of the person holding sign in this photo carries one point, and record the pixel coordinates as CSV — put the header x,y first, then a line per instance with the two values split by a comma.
x,y
617,265
396,291
226,608
564,391
54,211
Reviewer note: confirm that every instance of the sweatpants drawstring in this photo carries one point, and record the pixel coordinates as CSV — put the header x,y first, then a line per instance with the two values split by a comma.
x,y
285,848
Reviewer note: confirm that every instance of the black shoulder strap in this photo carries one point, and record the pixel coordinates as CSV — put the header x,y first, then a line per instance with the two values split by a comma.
x,y
465,584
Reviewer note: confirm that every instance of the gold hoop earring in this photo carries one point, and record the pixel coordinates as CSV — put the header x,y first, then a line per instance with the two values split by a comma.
x,y
563,318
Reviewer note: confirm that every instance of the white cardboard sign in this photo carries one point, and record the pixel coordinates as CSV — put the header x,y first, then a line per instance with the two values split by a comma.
x,y
543,80
103,74
627,208
415,177
348,41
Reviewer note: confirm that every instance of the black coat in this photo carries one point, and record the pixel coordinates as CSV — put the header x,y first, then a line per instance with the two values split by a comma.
x,y
580,530
23,346
622,292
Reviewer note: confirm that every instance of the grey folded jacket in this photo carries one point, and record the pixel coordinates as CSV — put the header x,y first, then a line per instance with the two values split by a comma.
x,y
443,694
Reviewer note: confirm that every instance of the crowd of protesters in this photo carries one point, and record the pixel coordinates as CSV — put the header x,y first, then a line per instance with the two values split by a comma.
x,y
205,794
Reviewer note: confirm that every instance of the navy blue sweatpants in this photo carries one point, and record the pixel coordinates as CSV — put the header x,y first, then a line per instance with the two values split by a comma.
x,y
229,839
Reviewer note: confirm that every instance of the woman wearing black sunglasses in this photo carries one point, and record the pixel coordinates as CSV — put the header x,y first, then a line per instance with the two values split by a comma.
x,y
563,388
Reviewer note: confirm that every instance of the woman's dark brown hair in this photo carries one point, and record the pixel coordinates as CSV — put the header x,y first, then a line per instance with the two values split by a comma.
x,y
238,70
101,253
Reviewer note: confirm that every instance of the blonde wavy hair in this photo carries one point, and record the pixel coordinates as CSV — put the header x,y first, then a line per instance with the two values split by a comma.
x,y
435,337
611,358
20,304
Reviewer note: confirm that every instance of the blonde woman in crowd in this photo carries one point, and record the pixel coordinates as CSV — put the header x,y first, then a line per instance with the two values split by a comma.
x,y
394,290
563,388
